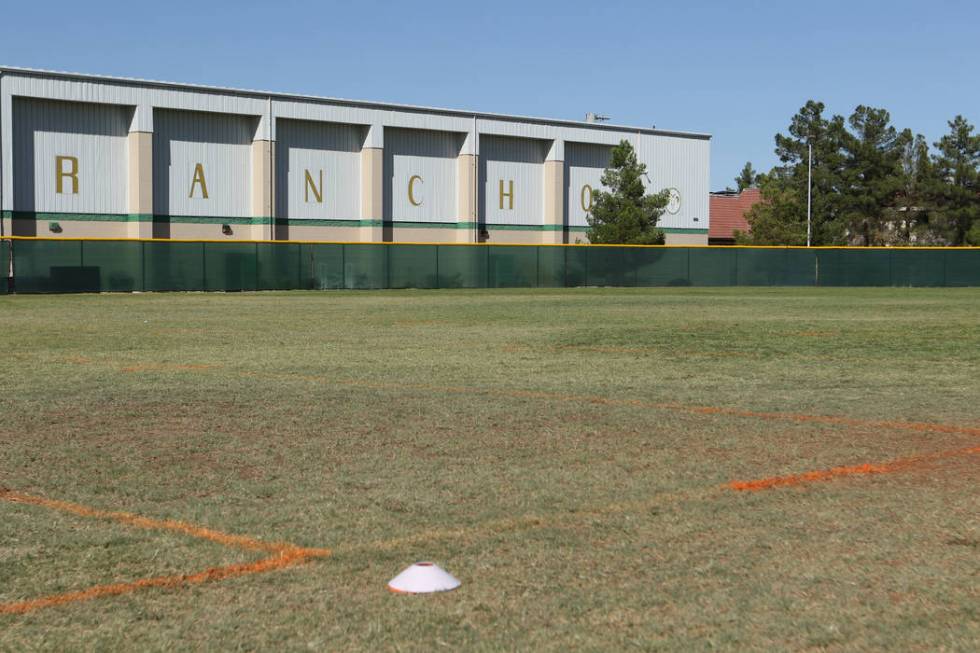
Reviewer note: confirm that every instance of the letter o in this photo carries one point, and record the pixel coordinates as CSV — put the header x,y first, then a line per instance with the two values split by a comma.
x,y
586,191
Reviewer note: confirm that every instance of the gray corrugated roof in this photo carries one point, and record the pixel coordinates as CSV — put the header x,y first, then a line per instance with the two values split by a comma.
x,y
353,103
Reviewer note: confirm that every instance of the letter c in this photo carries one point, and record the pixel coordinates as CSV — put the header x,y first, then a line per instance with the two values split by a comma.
x,y
411,190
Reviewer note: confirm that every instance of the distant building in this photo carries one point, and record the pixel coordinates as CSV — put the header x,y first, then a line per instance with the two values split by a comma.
x,y
727,211
85,156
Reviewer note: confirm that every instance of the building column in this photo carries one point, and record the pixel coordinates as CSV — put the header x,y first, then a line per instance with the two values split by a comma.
x,y
263,190
372,194
466,198
140,184
554,202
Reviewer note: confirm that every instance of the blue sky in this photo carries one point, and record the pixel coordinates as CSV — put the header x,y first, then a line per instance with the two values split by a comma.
x,y
738,70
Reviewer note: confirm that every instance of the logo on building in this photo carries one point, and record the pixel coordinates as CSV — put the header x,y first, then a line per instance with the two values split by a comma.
x,y
674,203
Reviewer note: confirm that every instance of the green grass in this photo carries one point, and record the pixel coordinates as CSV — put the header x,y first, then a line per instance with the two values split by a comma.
x,y
470,428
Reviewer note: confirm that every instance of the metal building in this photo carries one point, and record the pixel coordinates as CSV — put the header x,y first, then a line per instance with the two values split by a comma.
x,y
125,158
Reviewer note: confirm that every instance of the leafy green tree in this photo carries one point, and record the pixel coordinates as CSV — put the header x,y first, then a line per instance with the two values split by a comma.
x,y
973,235
780,219
873,151
626,214
872,183
912,206
748,178
957,196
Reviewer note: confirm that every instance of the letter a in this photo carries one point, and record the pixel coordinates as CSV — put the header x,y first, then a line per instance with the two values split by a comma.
x,y
310,185
60,173
199,179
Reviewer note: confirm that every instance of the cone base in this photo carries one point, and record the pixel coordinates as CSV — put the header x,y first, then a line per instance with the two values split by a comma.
x,y
423,578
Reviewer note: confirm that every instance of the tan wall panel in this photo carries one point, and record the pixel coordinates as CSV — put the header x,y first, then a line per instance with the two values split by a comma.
x,y
263,189
71,229
509,236
262,166
140,189
687,239
554,204
140,185
423,235
190,231
334,234
372,190
372,193
467,173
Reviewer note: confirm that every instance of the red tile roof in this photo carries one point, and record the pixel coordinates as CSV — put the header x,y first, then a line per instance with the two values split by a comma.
x,y
728,212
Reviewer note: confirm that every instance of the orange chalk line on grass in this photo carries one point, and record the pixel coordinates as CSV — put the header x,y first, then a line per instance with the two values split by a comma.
x,y
240,541
534,522
285,554
280,561
853,470
288,554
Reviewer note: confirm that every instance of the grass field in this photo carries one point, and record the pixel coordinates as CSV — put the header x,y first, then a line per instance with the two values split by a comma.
x,y
568,454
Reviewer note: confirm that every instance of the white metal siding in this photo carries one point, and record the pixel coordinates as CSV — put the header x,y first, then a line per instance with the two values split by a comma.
x,y
94,135
221,143
318,148
681,164
584,164
431,157
675,159
521,161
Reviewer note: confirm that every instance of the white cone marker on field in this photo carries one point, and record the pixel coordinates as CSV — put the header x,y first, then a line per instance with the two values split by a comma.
x,y
422,578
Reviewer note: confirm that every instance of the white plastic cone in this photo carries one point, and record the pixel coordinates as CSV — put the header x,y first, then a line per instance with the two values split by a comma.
x,y
423,577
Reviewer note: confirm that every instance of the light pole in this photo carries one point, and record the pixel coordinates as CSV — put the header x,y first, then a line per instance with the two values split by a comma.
x,y
809,190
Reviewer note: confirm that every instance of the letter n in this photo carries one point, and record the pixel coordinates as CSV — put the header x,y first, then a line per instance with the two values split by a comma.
x,y
311,185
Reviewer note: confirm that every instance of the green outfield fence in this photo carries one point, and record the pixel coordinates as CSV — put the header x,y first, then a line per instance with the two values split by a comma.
x,y
94,265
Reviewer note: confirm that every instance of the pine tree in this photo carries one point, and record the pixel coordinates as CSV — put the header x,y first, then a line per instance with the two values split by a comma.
x,y
873,151
625,214
957,195
872,184
909,215
748,178
780,219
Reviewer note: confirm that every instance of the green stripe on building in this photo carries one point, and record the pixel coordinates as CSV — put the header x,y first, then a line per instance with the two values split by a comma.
x,y
298,222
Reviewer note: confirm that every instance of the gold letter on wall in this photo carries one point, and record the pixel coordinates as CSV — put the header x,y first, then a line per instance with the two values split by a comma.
x,y
317,192
411,190
509,194
60,173
199,179
586,193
